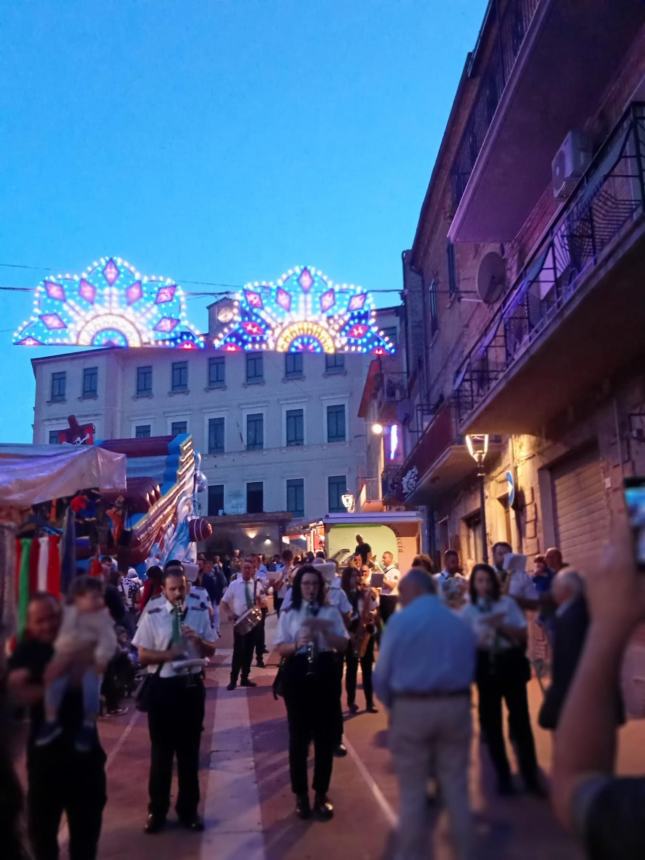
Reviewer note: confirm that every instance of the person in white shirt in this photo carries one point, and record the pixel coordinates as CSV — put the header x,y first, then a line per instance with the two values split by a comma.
x,y
167,632
241,595
310,636
390,589
283,583
452,587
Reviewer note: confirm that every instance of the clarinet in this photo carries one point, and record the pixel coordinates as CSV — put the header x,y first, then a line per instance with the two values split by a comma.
x,y
312,647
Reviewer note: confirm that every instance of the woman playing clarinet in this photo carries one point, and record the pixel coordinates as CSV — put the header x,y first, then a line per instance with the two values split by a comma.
x,y
309,635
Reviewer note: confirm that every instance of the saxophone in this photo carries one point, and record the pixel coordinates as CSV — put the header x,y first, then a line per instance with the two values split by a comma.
x,y
366,626
312,647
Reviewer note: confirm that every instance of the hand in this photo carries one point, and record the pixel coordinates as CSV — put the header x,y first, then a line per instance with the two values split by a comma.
x,y
615,589
188,633
175,651
304,637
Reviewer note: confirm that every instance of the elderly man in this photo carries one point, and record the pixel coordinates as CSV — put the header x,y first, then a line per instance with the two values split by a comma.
x,y
429,701
60,778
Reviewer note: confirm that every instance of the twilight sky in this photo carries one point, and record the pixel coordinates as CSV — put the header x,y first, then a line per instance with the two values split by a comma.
x,y
215,140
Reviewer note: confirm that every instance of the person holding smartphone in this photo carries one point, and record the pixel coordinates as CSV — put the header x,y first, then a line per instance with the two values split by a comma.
x,y
502,673
311,634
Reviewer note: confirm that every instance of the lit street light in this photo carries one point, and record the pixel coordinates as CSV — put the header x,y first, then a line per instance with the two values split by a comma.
x,y
477,444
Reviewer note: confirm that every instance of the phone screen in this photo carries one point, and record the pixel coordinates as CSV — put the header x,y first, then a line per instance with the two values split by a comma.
x,y
635,503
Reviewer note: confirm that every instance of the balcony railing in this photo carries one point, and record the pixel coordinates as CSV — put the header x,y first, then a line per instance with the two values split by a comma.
x,y
513,20
605,202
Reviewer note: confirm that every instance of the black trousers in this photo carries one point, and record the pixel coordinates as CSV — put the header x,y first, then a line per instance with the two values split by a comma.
x,y
366,664
508,684
277,604
242,655
260,636
175,719
64,781
388,605
312,705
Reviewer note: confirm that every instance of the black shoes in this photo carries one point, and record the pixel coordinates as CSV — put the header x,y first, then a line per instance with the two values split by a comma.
x,y
340,751
353,708
231,686
323,808
246,682
371,709
303,808
154,824
194,823
260,663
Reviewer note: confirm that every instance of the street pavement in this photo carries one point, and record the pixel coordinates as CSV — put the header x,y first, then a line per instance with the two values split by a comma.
x,y
248,806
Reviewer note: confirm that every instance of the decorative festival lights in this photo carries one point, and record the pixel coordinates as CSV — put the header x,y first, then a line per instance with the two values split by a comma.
x,y
110,304
304,311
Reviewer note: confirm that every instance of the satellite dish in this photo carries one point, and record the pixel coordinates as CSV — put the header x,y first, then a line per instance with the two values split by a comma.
x,y
491,277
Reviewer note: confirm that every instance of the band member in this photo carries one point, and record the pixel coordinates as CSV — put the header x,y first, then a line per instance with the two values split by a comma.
x,y
362,627
310,634
241,595
166,635
283,583
390,589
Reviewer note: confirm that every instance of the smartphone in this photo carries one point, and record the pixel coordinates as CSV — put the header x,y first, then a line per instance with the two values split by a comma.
x,y
635,503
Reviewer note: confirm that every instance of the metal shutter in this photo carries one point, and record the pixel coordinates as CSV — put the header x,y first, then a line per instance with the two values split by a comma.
x,y
580,508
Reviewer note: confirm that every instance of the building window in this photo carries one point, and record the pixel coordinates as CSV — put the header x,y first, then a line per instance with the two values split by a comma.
x,y
254,367
295,427
216,500
53,437
255,497
216,371
292,364
254,431
142,431
215,435
337,487
296,497
178,428
144,381
90,382
58,385
452,270
336,423
433,309
335,363
179,376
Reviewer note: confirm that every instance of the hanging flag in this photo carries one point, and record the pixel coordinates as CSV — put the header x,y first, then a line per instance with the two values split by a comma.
x,y
53,566
23,584
43,562
68,551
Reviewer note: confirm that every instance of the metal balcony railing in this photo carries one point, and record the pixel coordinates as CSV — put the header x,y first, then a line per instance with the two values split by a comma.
x,y
513,20
609,197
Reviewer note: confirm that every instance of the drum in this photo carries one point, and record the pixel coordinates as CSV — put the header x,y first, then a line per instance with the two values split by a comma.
x,y
248,621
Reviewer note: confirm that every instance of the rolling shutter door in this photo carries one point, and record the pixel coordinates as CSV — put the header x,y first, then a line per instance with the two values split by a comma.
x,y
580,508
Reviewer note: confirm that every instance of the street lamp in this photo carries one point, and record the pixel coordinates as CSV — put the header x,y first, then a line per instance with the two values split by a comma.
x,y
477,444
348,501
378,429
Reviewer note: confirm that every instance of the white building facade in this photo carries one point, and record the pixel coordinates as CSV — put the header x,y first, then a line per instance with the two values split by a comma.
x,y
277,431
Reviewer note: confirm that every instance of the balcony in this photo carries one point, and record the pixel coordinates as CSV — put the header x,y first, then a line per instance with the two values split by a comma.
x,y
522,111
439,460
576,312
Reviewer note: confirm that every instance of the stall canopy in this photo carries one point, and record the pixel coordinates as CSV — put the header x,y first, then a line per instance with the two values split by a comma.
x,y
30,474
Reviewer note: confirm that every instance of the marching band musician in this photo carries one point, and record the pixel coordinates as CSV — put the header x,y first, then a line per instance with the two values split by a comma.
x,y
167,632
363,627
310,635
242,594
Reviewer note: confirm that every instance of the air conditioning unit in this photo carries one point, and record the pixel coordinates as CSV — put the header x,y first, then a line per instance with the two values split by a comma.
x,y
570,162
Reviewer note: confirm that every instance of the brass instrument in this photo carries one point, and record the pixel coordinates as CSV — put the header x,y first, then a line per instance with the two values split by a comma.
x,y
366,624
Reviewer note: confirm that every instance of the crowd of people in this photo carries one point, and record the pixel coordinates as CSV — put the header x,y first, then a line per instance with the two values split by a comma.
x,y
422,641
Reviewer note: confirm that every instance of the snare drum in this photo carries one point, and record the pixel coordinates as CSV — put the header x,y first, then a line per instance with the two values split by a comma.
x,y
248,621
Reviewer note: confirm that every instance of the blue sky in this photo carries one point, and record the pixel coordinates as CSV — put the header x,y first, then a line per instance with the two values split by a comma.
x,y
217,140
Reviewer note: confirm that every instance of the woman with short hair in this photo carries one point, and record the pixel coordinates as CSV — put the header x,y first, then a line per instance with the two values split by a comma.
x,y
310,634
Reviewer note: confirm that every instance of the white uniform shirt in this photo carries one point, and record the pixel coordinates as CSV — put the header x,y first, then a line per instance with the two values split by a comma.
x,y
292,620
155,631
235,595
508,611
391,572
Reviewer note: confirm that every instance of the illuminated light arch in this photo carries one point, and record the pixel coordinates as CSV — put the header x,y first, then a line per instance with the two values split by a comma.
x,y
297,336
110,304
303,311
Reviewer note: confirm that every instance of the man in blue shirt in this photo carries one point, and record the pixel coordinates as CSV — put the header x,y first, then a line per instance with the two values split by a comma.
x,y
423,675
